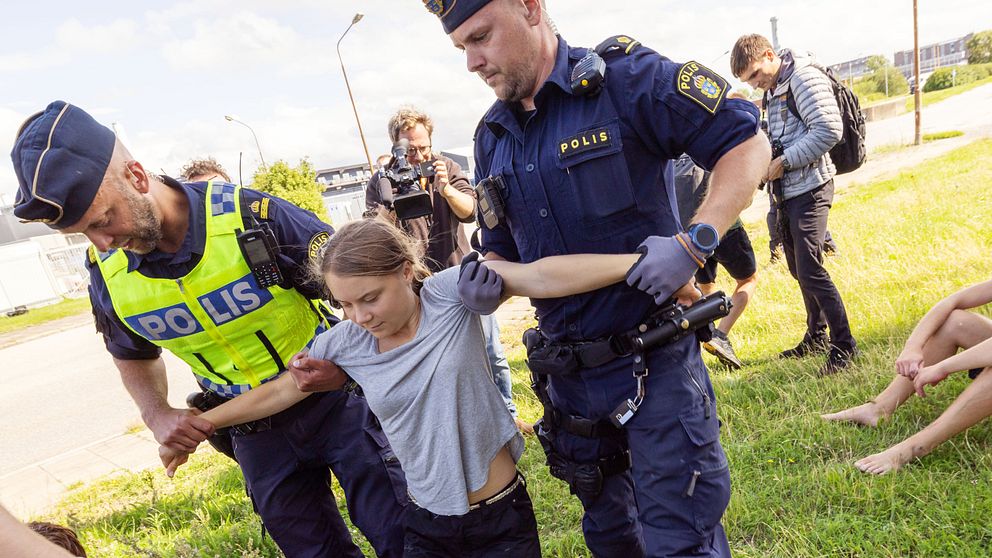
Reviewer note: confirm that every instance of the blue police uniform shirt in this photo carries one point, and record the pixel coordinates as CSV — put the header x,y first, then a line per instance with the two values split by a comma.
x,y
298,232
588,174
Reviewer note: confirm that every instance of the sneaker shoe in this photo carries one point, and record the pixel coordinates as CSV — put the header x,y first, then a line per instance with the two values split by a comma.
x,y
808,346
838,360
720,347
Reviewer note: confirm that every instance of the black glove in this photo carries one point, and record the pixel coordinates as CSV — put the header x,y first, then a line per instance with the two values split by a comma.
x,y
479,287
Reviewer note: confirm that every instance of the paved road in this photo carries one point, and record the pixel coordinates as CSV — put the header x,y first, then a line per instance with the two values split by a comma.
x,y
969,112
62,391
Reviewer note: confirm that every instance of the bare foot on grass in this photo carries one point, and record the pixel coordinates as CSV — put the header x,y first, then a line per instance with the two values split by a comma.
x,y
891,459
867,414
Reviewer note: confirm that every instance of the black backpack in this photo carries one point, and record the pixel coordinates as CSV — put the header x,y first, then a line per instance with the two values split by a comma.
x,y
849,153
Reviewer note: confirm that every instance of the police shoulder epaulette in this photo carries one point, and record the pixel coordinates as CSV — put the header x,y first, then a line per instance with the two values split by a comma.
x,y
617,44
254,210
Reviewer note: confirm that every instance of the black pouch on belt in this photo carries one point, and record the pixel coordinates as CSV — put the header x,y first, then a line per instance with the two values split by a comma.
x,y
544,357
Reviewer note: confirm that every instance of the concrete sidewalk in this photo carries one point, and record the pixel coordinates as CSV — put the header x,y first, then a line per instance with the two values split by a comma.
x,y
32,490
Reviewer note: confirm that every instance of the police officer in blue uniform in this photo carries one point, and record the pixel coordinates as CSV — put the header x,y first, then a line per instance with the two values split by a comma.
x,y
581,168
75,176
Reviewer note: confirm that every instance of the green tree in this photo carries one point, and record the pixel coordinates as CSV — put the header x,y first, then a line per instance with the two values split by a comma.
x,y
876,62
980,47
296,185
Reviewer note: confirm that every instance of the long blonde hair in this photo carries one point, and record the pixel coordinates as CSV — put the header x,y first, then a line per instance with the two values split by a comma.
x,y
371,248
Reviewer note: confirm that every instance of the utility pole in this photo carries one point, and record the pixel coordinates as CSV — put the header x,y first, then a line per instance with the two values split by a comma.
x,y
774,21
361,134
917,97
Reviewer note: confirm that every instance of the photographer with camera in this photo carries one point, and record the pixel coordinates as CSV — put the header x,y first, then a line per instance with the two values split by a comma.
x,y
429,197
801,174
446,199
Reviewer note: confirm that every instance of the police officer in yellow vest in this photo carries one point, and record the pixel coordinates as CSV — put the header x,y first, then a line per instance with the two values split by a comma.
x,y
167,270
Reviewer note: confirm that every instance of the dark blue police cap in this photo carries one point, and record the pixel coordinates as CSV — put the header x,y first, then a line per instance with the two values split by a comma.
x,y
454,12
60,156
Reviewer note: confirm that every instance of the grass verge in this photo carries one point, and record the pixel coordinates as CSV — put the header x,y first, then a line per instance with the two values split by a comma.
x,y
36,316
904,243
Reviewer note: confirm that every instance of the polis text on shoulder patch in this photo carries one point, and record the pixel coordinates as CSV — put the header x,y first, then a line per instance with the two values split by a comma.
x,y
702,85
584,141
316,243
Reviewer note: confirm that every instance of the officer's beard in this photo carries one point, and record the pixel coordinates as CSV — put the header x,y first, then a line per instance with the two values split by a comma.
x,y
518,82
147,231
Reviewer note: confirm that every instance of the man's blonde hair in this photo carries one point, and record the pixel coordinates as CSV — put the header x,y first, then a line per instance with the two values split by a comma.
x,y
407,118
747,49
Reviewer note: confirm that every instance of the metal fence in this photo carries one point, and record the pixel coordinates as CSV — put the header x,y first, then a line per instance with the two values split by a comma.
x,y
68,267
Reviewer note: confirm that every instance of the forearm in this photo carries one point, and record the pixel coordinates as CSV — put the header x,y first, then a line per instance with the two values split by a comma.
x,y
263,401
978,356
733,182
461,204
824,132
558,276
18,541
147,383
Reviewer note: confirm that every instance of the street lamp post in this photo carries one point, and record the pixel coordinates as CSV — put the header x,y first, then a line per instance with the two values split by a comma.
x,y
361,134
231,118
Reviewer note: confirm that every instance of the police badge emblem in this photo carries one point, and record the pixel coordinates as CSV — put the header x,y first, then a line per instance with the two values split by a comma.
x,y
702,85
438,7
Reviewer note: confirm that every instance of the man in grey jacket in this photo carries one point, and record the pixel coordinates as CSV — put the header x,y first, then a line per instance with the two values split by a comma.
x,y
803,185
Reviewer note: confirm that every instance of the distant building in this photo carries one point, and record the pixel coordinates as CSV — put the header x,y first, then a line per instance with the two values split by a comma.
x,y
344,187
948,53
12,229
851,69
344,191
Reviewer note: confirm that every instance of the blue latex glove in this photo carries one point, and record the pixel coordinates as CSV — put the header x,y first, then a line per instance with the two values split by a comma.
x,y
479,287
667,263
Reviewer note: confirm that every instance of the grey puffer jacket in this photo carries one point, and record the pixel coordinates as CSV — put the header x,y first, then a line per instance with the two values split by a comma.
x,y
807,140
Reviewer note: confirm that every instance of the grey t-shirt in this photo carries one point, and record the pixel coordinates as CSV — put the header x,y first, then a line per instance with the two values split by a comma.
x,y
434,396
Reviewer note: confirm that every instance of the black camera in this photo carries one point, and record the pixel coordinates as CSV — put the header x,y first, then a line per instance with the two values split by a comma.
x,y
775,186
777,148
402,191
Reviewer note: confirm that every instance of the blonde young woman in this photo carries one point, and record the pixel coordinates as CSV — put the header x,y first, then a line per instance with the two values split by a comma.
x,y
419,355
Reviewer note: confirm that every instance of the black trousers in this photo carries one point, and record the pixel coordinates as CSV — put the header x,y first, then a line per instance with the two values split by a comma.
x,y
504,528
802,222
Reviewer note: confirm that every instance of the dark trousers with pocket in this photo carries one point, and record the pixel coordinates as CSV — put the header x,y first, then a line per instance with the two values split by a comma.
x,y
506,527
802,222
671,500
287,464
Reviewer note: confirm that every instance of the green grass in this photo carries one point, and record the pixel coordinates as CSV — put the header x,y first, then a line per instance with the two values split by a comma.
x,y
35,316
893,147
938,96
904,244
942,135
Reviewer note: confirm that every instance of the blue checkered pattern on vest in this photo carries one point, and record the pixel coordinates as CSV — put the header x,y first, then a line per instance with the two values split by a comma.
x,y
221,198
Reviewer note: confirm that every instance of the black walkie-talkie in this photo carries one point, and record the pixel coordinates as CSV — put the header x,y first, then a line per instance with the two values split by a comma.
x,y
258,246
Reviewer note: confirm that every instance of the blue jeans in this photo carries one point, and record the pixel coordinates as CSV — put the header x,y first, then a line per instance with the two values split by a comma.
x,y
497,361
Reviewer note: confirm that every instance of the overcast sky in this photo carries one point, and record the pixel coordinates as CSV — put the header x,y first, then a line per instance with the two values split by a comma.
x,y
167,72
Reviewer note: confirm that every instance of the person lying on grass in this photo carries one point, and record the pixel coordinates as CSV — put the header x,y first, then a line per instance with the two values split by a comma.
x,y
419,354
930,355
